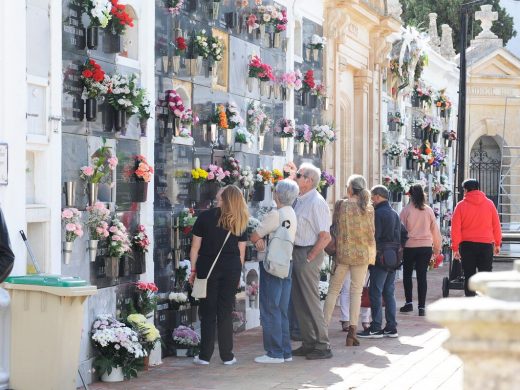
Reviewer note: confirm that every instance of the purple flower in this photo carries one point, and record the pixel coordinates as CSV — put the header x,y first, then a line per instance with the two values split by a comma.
x,y
328,178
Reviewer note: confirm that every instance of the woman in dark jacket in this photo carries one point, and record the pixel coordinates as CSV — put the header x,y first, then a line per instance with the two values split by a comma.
x,y
209,234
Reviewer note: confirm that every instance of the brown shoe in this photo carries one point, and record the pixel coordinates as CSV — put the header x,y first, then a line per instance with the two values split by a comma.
x,y
345,325
366,325
352,339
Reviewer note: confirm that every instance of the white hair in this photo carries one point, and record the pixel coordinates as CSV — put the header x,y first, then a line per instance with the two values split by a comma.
x,y
312,172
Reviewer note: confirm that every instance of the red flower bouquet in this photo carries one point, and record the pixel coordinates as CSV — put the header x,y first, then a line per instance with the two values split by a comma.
x,y
259,70
308,81
120,18
93,79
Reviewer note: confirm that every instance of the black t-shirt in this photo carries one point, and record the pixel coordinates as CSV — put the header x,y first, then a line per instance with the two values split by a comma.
x,y
212,239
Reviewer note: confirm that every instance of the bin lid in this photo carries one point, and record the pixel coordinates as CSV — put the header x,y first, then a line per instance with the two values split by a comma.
x,y
47,280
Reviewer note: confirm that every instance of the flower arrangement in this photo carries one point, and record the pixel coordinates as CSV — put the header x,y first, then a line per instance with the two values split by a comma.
x,y
317,42
146,300
217,174
308,81
148,334
189,118
216,48
413,153
423,93
289,170
232,166
233,115
184,132
395,150
324,290
180,46
450,135
319,90
142,170
438,157
252,289
221,117
267,14
182,273
175,103
140,240
242,136
277,175
395,118
185,337
326,180
143,104
97,222
187,219
263,176
292,80
303,134
252,22
103,163
394,184
94,79
98,12
117,345
260,70
174,6
284,128
199,175
178,299
280,23
123,93
120,18
442,101
323,134
246,178
257,120
201,44
70,219
118,241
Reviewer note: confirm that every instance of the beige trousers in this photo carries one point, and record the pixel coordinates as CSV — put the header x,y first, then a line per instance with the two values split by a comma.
x,y
357,275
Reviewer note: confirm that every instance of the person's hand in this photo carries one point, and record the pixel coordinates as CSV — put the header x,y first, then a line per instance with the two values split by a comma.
x,y
456,255
496,250
260,245
192,277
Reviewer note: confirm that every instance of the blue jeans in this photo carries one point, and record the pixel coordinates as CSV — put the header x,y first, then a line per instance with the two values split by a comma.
x,y
382,283
274,304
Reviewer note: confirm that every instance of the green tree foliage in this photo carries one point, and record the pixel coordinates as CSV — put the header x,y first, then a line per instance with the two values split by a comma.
x,y
415,13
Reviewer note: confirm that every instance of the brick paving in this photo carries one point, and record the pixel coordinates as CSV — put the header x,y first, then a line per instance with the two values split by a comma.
x,y
415,360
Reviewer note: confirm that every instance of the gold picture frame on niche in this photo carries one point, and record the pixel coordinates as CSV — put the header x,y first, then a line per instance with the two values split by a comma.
x,y
220,82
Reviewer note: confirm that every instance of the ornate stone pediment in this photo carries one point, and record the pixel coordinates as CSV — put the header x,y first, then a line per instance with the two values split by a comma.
x,y
500,63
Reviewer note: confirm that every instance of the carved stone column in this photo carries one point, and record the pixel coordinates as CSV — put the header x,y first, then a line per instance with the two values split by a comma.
x,y
484,329
362,81
435,42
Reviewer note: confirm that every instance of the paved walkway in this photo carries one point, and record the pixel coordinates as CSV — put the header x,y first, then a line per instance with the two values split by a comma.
x,y
416,360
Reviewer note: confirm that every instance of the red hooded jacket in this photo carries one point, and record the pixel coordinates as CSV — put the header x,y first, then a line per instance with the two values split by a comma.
x,y
475,219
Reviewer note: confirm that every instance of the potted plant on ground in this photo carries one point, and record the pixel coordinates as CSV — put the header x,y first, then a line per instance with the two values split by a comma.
x,y
119,351
70,219
185,338
148,334
97,222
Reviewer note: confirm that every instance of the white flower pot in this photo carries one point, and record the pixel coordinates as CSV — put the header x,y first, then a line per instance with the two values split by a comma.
x,y
301,148
251,83
69,189
92,249
116,375
176,63
181,352
284,141
260,142
67,251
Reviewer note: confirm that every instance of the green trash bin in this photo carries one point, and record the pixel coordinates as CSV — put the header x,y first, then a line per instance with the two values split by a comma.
x,y
46,325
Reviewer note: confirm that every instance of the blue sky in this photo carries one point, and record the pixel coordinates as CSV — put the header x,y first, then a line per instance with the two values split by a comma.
x,y
513,7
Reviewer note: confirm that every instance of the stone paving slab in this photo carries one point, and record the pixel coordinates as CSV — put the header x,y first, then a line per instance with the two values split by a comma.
x,y
415,360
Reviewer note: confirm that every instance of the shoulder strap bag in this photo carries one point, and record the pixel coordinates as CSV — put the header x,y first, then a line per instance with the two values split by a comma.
x,y
200,285
330,249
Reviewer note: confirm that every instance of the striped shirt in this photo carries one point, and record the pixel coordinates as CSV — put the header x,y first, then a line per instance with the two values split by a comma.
x,y
313,217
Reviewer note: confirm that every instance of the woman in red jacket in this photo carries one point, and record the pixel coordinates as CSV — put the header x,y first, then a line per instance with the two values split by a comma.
x,y
475,232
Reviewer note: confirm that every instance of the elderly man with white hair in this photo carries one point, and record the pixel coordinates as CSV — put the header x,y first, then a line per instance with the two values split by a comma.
x,y
312,236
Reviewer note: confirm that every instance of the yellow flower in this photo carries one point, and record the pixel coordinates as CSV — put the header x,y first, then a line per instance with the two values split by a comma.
x,y
149,331
195,174
136,319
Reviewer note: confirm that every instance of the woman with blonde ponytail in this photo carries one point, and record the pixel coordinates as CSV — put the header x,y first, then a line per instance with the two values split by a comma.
x,y
355,250
221,229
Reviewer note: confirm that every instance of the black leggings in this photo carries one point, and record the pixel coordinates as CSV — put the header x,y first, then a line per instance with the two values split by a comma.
x,y
420,258
475,256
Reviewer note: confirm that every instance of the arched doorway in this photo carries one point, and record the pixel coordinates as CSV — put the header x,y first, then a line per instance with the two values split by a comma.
x,y
484,165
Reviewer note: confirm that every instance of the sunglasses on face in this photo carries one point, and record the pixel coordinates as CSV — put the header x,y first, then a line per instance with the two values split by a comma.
x,y
300,175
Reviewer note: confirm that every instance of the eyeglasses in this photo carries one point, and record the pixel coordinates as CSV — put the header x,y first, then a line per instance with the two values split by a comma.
x,y
300,175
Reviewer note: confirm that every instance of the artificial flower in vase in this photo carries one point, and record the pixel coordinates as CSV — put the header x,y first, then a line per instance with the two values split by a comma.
x,y
69,190
122,98
97,223
140,172
70,219
95,85
140,244
118,246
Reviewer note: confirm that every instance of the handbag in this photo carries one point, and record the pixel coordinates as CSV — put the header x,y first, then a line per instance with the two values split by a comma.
x,y
200,285
278,258
365,297
330,249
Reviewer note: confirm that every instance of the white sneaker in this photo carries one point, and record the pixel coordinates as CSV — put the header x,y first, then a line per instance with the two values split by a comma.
x,y
288,359
268,359
198,361
230,362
